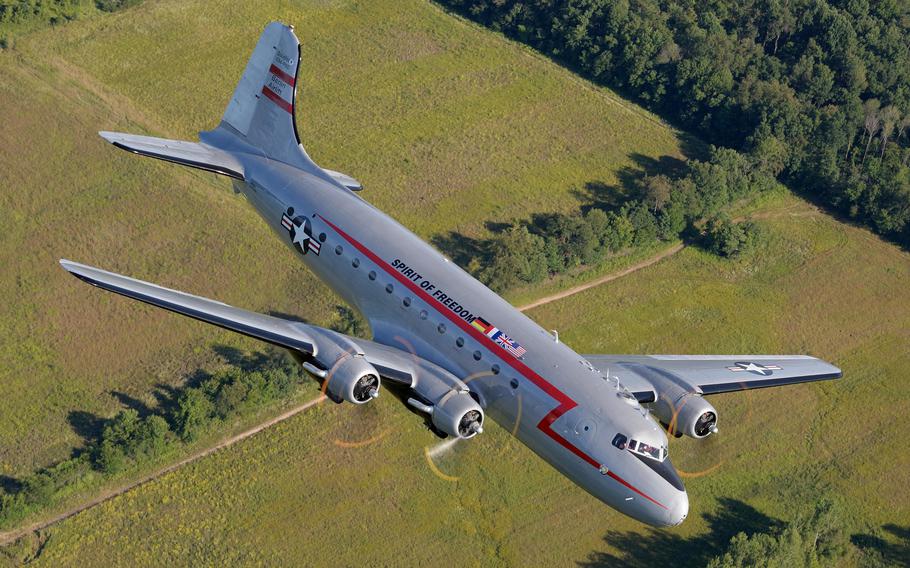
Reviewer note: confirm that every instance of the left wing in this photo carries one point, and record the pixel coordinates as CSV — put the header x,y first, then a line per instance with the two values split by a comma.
x,y
713,374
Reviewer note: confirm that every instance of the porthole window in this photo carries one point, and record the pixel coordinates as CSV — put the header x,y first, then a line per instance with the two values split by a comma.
x,y
321,237
441,328
477,355
339,250
495,369
406,302
372,275
460,342
355,263
389,288
514,383
423,314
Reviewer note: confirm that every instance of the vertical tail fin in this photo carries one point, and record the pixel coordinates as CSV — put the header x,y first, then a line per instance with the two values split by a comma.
x,y
262,107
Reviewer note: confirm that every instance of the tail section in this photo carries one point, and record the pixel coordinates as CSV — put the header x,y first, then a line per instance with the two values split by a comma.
x,y
260,114
262,108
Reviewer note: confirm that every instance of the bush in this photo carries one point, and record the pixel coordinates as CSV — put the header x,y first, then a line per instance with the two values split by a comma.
x,y
194,409
730,239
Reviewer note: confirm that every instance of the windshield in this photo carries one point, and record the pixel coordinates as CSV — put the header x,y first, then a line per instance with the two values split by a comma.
x,y
658,453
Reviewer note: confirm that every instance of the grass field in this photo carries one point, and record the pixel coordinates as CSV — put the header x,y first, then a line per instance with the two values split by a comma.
x,y
465,128
420,106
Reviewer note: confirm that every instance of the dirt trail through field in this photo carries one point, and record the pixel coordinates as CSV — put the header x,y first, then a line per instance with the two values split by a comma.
x,y
14,535
604,279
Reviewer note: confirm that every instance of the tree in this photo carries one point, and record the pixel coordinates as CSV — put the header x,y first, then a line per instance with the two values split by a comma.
x,y
871,122
516,256
657,190
890,117
194,409
810,540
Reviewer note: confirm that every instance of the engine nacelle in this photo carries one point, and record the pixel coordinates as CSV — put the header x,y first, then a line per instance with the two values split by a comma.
x,y
678,405
353,379
690,415
458,414
341,364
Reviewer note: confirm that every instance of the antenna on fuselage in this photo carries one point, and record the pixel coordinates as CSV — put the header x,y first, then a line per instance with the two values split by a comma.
x,y
555,335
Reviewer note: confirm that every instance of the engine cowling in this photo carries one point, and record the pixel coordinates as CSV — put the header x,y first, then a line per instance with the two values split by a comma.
x,y
353,379
343,368
690,415
457,414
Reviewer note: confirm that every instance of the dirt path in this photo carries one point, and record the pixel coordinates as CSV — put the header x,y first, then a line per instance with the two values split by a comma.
x,y
604,279
14,535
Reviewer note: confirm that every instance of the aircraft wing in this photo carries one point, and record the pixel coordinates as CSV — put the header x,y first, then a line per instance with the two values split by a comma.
x,y
713,374
285,333
396,365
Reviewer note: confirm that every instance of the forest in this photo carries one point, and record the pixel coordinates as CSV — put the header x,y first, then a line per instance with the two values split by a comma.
x,y
813,92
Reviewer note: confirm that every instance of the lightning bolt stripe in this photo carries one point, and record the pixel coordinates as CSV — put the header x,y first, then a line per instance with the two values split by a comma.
x,y
565,402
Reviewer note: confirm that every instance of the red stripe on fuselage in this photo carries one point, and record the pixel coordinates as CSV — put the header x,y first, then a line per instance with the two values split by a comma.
x,y
275,98
565,403
274,70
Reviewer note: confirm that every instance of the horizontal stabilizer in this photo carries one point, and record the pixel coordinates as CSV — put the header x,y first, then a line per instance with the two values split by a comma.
x,y
273,330
344,179
192,154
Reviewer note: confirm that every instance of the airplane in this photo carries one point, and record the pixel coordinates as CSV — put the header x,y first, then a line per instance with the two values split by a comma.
x,y
450,348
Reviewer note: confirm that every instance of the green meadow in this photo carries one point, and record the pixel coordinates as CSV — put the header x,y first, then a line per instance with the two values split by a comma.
x,y
449,127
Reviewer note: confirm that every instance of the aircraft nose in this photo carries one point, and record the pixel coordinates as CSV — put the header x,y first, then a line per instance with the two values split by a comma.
x,y
678,511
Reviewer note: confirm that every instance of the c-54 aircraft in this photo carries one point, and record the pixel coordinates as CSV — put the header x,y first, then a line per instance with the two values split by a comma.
x,y
446,345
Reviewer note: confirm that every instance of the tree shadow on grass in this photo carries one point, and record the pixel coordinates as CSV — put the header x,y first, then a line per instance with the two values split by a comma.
x,y
132,402
893,553
660,547
87,425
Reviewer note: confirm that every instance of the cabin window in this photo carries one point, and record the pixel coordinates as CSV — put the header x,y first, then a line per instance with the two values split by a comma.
x,y
423,314
406,302
355,263
372,275
460,342
495,369
339,250
441,328
322,237
477,355
389,288
514,383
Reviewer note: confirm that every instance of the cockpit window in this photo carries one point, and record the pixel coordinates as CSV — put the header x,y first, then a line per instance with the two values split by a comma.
x,y
620,441
640,448
646,450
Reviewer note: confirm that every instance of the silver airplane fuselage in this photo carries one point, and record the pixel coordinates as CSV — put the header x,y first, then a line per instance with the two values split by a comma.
x,y
416,299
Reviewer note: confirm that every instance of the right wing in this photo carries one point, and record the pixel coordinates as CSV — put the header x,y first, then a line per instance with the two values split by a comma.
x,y
396,365
281,332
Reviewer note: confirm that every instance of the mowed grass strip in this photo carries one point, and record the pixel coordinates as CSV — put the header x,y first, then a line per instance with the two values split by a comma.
x,y
449,127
